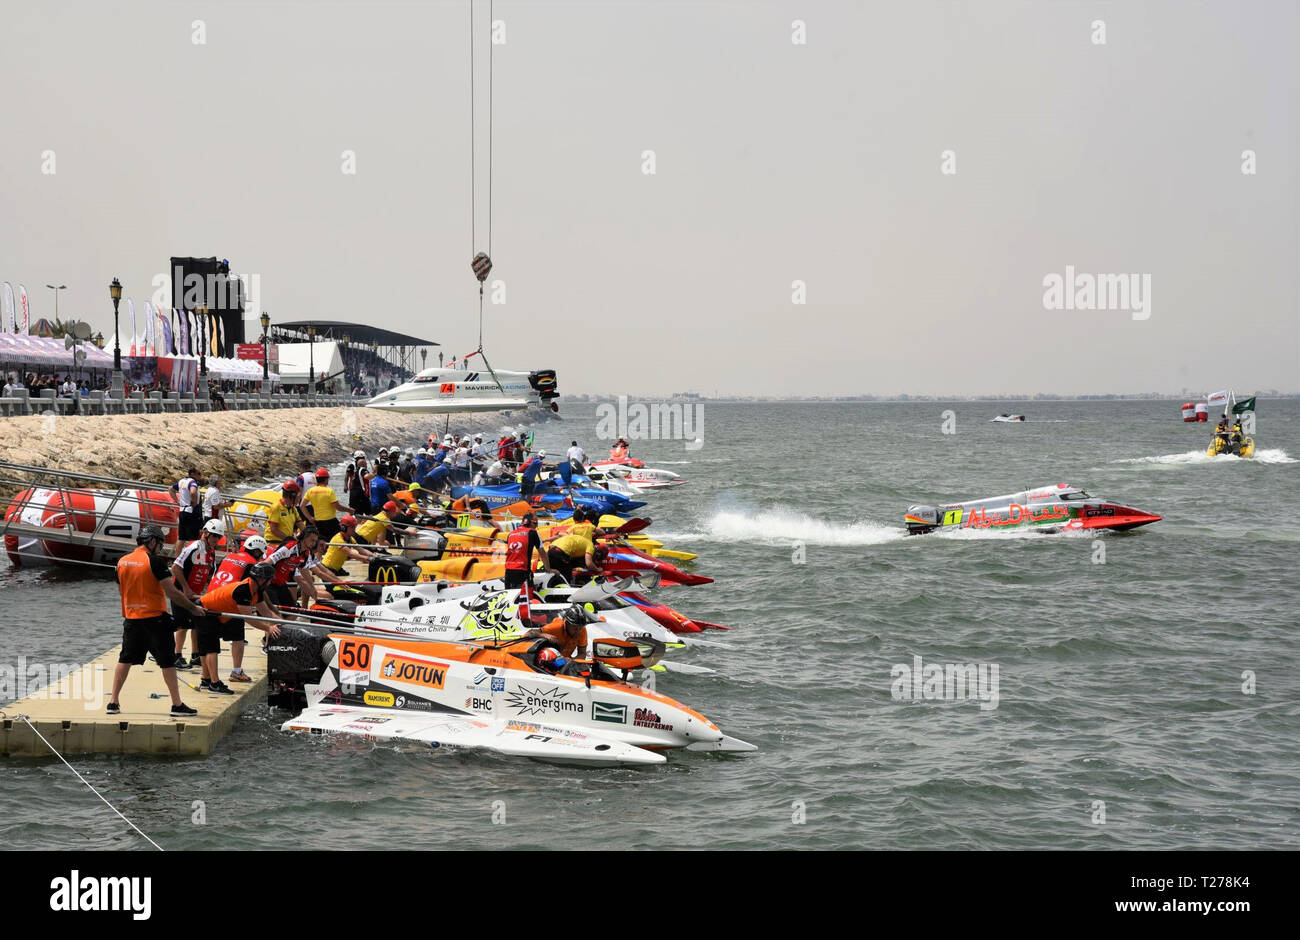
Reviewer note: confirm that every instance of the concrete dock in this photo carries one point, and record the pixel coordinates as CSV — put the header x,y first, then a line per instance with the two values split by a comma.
x,y
70,711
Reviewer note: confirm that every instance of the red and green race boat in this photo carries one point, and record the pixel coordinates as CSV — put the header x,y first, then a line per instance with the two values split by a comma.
x,y
1057,508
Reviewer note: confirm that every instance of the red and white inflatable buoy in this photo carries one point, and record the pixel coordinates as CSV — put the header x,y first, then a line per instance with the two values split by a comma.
x,y
116,513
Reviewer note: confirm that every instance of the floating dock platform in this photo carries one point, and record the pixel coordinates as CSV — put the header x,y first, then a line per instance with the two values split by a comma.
x,y
70,712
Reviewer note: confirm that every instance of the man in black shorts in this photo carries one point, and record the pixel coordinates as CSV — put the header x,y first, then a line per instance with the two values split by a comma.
x,y
145,582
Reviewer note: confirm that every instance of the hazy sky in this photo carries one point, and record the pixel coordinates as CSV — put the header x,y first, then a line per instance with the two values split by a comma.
x,y
775,162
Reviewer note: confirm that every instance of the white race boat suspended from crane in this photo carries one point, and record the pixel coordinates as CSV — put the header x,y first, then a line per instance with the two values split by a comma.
x,y
445,390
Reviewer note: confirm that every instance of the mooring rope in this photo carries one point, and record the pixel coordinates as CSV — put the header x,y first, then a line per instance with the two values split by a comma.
x,y
88,784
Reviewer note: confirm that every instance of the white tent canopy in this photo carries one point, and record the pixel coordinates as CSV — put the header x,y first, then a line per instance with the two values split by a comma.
x,y
297,359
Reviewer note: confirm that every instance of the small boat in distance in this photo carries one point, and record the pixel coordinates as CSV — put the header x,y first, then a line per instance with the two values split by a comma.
x,y
1005,418
1233,440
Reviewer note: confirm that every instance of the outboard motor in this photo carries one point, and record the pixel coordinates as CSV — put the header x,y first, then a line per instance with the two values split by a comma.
x,y
294,659
921,519
423,545
544,381
393,569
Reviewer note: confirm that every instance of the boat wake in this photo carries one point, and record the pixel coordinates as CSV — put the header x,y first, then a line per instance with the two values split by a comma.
x,y
1013,533
1269,455
783,526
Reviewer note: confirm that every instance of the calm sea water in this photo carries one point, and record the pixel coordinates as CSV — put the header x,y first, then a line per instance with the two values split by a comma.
x,y
1119,682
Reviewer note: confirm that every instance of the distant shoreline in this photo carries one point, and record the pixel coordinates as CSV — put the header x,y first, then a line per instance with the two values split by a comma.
x,y
905,399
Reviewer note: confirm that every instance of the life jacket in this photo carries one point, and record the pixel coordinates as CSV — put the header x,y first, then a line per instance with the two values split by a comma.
x,y
197,572
232,569
222,599
618,453
142,594
517,549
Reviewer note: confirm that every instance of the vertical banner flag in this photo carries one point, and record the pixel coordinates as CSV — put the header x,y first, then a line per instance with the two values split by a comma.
x,y
148,329
9,325
165,328
130,316
22,305
183,329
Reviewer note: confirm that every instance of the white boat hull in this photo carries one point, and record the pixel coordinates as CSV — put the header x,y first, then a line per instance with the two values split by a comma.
x,y
452,391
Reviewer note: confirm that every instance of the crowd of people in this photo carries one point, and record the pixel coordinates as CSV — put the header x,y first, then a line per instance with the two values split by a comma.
x,y
207,597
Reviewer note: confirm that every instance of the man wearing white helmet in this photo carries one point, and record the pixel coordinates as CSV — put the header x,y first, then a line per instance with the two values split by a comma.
x,y
422,464
233,569
460,464
192,570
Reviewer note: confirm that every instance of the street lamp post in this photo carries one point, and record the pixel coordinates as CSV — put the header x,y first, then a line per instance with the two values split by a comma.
x,y
118,389
266,353
424,357
311,360
202,311
56,298
343,355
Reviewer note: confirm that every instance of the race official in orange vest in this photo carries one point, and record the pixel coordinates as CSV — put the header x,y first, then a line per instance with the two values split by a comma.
x,y
146,582
247,597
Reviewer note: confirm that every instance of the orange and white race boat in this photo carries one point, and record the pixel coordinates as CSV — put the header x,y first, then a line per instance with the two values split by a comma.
x,y
487,696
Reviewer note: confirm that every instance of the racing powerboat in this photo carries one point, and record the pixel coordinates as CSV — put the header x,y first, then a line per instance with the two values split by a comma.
x,y
1046,509
441,390
603,501
643,478
1005,418
497,697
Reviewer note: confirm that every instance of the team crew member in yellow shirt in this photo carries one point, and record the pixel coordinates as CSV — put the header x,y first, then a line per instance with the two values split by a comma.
x,y
584,524
374,531
283,519
344,546
322,504
567,551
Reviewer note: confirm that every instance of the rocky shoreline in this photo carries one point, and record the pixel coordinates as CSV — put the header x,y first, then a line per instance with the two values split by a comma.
x,y
238,445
